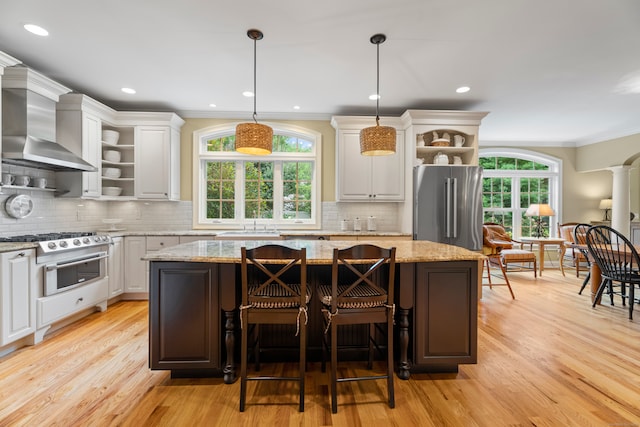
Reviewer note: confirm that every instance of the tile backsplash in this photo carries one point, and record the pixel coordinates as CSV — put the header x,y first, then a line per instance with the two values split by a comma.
x,y
52,214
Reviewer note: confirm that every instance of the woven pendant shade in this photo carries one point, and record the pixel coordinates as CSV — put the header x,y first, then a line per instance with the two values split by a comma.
x,y
377,140
254,138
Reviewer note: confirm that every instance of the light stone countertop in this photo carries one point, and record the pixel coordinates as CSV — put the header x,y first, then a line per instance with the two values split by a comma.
x,y
282,233
17,246
318,251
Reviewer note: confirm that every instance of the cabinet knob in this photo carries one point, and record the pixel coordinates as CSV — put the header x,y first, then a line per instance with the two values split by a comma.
x,y
21,254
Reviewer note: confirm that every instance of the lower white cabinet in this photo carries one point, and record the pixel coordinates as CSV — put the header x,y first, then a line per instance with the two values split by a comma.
x,y
135,270
115,267
17,295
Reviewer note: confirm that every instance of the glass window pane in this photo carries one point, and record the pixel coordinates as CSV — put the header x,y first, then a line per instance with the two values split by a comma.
x,y
220,185
213,209
213,190
228,210
487,162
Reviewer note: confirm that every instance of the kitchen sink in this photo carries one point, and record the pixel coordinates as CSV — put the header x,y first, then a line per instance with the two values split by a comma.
x,y
249,235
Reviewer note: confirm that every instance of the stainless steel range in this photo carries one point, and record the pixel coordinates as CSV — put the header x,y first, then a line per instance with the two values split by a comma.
x,y
70,259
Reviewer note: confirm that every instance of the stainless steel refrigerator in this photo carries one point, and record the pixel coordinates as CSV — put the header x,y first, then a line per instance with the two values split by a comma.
x,y
448,205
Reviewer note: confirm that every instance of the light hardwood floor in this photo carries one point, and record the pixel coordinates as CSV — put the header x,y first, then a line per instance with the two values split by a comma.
x,y
545,359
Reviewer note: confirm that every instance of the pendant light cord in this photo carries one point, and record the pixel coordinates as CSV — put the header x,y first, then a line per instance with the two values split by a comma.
x,y
255,95
377,83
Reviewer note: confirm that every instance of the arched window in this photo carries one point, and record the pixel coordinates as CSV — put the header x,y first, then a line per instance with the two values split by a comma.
x,y
513,179
281,189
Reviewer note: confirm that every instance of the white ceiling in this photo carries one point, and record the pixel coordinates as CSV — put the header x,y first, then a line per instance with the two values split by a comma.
x,y
550,72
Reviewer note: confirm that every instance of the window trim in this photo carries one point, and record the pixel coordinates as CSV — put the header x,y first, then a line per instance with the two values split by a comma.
x,y
554,174
200,156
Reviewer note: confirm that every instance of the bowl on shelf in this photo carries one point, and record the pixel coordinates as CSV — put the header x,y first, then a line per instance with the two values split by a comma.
x,y
111,156
110,137
111,172
111,191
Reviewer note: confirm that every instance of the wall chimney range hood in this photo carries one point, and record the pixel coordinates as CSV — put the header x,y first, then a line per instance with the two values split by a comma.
x,y
29,132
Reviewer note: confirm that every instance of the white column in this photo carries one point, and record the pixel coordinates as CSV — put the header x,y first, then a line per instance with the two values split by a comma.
x,y
621,196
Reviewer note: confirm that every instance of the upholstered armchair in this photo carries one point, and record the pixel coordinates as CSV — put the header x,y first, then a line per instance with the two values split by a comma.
x,y
498,246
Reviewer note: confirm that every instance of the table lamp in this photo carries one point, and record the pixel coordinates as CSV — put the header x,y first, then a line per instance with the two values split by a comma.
x,y
539,210
606,205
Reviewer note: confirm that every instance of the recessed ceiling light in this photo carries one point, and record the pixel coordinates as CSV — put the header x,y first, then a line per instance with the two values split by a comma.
x,y
296,107
463,89
248,94
128,90
374,96
36,29
212,105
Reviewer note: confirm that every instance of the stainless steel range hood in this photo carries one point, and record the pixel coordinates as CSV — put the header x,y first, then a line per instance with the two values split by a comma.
x,y
29,132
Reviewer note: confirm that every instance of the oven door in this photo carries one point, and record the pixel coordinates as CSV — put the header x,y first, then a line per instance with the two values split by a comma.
x,y
72,272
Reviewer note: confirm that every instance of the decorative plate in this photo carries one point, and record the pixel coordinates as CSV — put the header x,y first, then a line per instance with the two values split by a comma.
x,y
19,206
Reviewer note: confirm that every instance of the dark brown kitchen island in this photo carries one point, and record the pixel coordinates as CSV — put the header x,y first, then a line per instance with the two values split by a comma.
x,y
193,299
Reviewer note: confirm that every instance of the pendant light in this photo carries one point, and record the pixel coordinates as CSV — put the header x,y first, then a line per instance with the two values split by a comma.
x,y
254,138
378,140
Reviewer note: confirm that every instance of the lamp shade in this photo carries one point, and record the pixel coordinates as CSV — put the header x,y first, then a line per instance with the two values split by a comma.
x,y
378,140
606,204
539,210
254,138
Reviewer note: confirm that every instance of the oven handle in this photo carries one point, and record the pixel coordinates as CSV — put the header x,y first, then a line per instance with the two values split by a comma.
x,y
95,257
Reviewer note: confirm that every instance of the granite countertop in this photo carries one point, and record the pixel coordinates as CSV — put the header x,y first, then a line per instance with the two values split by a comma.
x,y
17,246
282,233
318,251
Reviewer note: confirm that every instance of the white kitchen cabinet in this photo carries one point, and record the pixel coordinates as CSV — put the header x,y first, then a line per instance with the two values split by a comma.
x,y
115,267
147,153
17,295
423,126
79,129
366,178
157,162
135,269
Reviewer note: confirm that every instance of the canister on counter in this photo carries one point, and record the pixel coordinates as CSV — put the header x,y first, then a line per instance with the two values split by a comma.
x,y
371,223
356,225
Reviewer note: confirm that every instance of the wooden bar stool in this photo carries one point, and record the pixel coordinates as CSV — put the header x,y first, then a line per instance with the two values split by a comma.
x,y
361,292
268,299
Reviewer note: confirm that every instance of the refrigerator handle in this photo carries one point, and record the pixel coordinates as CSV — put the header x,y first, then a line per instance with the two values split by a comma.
x,y
447,207
454,199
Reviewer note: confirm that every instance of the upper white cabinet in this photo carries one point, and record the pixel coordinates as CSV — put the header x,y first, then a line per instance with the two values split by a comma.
x,y
443,136
367,178
144,162
79,129
157,162
17,295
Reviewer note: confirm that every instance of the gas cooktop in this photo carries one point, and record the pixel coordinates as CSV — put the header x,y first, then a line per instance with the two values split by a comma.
x,y
61,242
47,236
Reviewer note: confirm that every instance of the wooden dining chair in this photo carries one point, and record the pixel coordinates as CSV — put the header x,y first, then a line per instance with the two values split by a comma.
x,y
618,261
361,292
580,238
568,253
274,291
